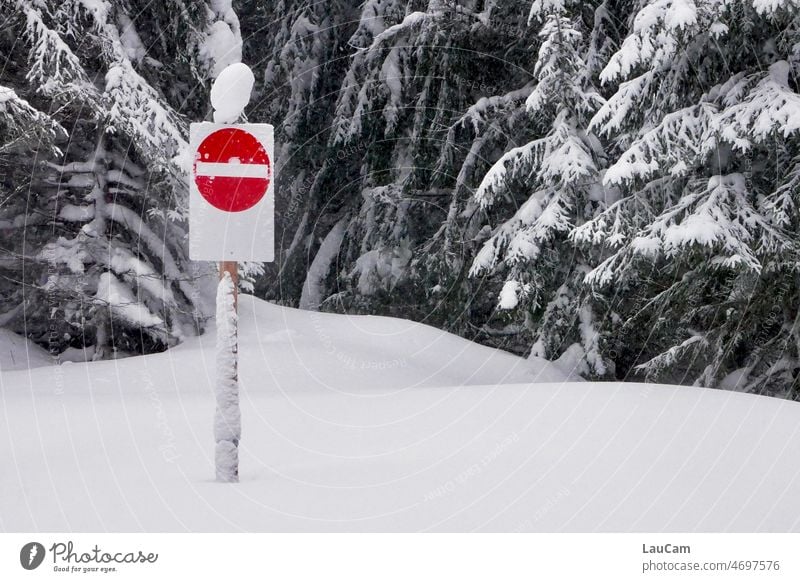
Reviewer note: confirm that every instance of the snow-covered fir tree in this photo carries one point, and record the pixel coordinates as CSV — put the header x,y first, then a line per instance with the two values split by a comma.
x,y
374,230
620,179
94,225
703,241
554,184
302,52
614,183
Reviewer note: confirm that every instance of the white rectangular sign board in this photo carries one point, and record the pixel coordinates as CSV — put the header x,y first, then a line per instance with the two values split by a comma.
x,y
231,192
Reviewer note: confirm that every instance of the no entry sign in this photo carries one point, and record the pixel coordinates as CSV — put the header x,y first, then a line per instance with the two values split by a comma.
x,y
232,169
231,206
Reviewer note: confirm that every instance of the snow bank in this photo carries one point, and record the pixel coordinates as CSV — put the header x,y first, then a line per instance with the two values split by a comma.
x,y
19,353
374,424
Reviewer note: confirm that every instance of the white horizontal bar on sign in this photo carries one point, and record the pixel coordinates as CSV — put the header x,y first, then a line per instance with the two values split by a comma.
x,y
232,170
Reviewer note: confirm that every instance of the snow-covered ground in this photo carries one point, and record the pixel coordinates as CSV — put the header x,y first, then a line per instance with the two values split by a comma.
x,y
19,353
367,423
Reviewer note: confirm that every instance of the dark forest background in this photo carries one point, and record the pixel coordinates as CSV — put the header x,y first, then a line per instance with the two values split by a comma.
x,y
614,184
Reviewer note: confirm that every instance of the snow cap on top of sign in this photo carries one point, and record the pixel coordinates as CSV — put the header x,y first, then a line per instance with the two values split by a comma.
x,y
230,93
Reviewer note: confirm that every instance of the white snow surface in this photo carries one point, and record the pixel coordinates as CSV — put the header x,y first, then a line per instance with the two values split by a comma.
x,y
19,353
311,296
230,93
118,296
129,37
509,295
222,45
371,424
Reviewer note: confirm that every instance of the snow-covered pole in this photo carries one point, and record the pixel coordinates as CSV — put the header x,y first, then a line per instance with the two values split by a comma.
x,y
232,269
229,96
227,417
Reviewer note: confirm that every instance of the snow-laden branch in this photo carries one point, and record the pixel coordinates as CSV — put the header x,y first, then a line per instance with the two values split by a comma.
x,y
157,245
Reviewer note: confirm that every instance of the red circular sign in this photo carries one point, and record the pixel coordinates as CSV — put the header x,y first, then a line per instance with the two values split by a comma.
x,y
232,170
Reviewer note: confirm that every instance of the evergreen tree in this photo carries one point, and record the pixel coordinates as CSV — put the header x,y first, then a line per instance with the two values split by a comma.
x,y
704,247
558,177
95,235
391,173
614,183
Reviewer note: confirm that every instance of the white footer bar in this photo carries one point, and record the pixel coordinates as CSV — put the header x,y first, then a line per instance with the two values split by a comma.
x,y
404,557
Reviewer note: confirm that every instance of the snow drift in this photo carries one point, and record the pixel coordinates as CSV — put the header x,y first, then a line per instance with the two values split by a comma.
x,y
372,424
